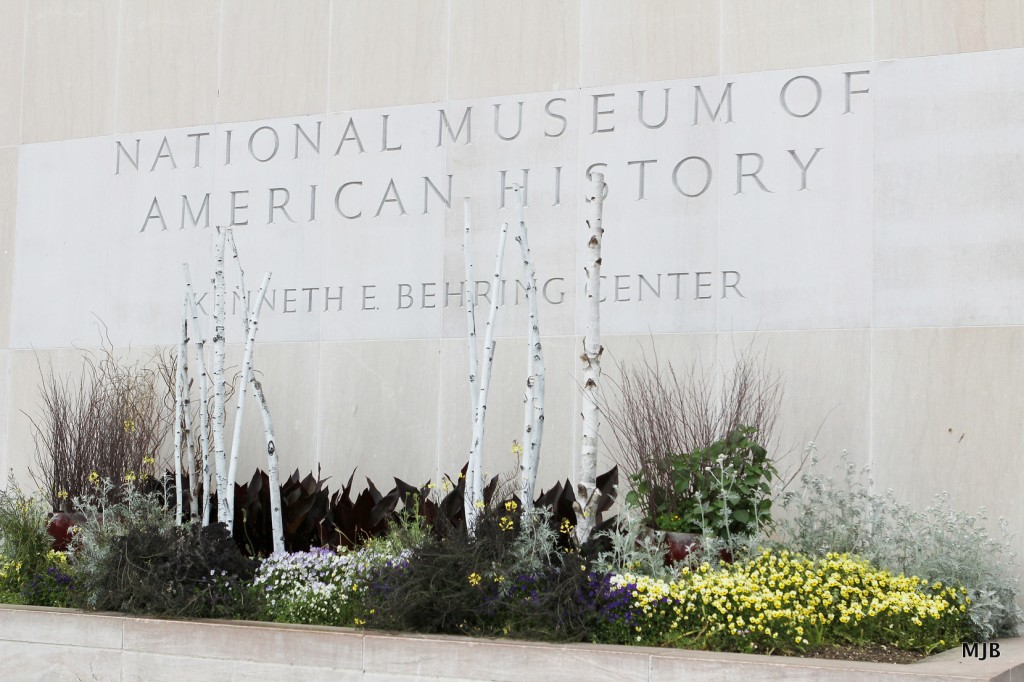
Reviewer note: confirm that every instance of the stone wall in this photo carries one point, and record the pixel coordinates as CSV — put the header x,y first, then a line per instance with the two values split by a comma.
x,y
880,278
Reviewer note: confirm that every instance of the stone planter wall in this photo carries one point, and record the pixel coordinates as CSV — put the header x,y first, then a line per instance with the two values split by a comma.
x,y
61,644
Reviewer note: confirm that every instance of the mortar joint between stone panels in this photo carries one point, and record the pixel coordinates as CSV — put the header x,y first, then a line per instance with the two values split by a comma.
x,y
117,64
24,68
330,55
220,62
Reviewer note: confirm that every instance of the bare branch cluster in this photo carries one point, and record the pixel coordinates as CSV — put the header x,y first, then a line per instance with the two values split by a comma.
x,y
108,423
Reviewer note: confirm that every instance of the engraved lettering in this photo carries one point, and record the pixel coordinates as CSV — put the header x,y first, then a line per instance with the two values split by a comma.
x,y
337,201
252,144
443,124
497,123
154,214
726,100
186,209
552,114
164,152
369,295
119,151
642,164
734,284
598,112
664,111
425,294
283,206
707,176
300,134
384,136
701,285
429,185
849,85
328,298
804,166
237,207
404,296
389,199
785,90
525,184
740,174
351,133
289,299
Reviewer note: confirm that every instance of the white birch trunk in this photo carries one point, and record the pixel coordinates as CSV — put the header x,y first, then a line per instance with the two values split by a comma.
x,y
474,474
470,296
223,493
533,411
251,326
276,520
177,423
204,400
586,490
186,409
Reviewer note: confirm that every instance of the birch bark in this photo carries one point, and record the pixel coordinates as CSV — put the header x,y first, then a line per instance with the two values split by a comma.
x,y
276,521
533,411
251,325
223,504
186,408
470,296
474,473
204,398
177,423
587,494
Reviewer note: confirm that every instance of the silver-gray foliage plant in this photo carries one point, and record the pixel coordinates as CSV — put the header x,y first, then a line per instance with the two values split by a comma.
x,y
841,514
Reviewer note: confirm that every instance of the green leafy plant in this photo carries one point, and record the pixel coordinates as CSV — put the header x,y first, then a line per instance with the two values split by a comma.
x,y
24,543
723,490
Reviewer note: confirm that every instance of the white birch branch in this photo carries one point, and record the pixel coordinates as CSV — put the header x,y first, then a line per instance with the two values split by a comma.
x,y
474,473
587,494
177,423
533,417
276,520
186,408
470,296
204,399
223,505
251,326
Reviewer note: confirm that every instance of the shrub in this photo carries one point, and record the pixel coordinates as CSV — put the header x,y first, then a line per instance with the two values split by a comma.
x,y
109,425
24,543
839,513
131,557
503,581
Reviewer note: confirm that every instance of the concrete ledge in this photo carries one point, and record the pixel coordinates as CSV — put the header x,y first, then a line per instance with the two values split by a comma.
x,y
63,644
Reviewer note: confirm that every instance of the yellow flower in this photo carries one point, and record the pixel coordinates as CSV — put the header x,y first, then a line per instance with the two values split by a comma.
x,y
94,478
511,505
129,426
62,495
479,504
505,523
474,579
517,449
129,477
